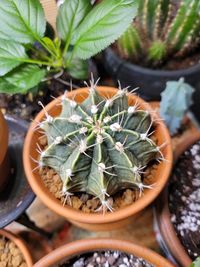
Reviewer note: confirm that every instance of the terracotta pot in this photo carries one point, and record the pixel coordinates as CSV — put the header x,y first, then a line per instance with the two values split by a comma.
x,y
4,161
95,221
163,216
20,244
77,248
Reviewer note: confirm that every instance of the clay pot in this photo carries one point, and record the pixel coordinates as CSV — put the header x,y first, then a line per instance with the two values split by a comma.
x,y
77,248
163,217
95,221
4,161
20,244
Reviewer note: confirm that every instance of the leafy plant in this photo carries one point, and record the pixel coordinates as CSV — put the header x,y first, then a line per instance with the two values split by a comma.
x,y
27,56
196,263
100,146
162,29
176,100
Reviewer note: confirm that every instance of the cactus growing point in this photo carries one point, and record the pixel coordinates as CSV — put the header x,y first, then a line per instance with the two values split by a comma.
x,y
100,146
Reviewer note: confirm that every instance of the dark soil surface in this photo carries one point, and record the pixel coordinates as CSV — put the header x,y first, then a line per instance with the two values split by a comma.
x,y
107,259
184,200
173,63
26,106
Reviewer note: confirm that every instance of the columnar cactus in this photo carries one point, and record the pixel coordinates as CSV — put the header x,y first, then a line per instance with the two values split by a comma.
x,y
162,28
100,146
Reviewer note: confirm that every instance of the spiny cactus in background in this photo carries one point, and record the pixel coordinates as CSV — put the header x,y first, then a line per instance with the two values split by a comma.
x,y
162,28
100,146
176,100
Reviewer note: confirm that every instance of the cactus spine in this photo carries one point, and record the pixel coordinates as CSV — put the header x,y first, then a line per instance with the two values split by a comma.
x,y
100,146
157,33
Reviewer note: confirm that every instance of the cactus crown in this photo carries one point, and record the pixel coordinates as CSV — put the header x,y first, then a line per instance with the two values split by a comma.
x,y
162,28
100,146
176,100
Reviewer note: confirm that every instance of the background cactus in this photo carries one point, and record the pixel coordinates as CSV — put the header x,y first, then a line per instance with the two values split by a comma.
x,y
100,146
162,28
175,102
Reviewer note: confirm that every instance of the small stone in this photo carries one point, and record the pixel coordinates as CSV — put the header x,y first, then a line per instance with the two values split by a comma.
x,y
76,202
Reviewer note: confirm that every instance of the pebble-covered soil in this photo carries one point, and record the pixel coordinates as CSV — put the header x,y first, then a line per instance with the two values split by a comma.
x,y
107,259
184,200
85,202
10,254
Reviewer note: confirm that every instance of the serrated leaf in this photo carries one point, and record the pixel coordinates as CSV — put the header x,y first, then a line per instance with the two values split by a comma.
x,y
8,88
70,14
102,26
11,55
53,46
22,21
79,69
22,79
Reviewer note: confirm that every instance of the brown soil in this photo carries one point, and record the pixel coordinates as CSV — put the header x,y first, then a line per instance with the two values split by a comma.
x,y
10,254
85,202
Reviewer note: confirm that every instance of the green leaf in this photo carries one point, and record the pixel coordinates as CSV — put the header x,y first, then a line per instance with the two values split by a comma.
x,y
196,263
79,69
102,26
70,14
22,79
11,55
22,21
53,46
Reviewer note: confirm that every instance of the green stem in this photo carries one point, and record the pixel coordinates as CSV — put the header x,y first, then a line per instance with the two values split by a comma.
x,y
33,61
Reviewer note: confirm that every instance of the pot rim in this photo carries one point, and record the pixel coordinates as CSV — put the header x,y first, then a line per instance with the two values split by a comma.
x,y
20,244
163,214
152,72
83,246
76,215
3,137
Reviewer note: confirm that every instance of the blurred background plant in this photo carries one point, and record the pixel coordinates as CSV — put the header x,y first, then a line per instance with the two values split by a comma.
x,y
162,29
176,100
28,56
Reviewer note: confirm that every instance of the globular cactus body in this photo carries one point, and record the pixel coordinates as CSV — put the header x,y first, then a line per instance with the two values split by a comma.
x,y
100,146
162,28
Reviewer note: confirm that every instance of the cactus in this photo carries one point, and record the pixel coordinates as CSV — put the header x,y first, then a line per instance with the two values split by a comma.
x,y
176,100
162,29
100,146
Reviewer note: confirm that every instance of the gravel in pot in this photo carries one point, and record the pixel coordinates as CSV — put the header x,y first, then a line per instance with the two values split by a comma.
x,y
107,259
184,200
